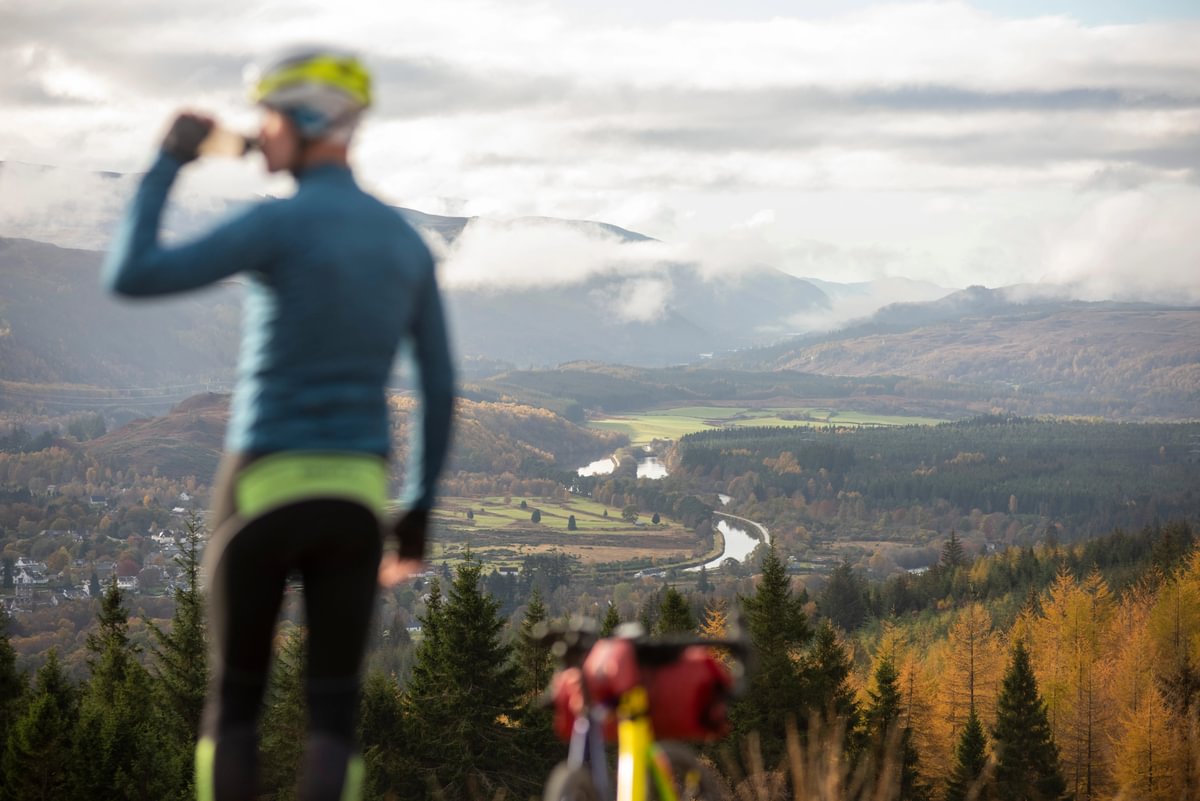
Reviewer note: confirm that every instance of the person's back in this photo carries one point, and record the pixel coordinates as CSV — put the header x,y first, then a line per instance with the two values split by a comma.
x,y
337,281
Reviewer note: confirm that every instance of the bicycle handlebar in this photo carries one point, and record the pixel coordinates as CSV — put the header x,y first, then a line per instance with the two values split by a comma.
x,y
570,642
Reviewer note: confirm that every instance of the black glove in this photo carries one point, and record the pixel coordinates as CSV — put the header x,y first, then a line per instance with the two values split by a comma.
x,y
186,134
409,531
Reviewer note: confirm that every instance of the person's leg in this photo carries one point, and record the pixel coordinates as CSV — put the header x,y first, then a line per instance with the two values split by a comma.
x,y
339,566
246,567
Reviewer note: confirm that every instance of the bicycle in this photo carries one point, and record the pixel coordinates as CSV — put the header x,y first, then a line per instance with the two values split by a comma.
x,y
645,695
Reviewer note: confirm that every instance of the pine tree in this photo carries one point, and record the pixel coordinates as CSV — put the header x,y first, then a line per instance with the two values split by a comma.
x,y
1026,757
37,754
890,737
180,660
952,552
534,657
827,671
844,599
702,582
180,653
284,719
383,736
967,780
778,628
612,619
120,727
12,687
674,616
463,698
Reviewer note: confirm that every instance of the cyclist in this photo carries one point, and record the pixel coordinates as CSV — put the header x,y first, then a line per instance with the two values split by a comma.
x,y
337,281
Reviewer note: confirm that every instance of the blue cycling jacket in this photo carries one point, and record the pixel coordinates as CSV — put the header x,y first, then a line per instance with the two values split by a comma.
x,y
337,282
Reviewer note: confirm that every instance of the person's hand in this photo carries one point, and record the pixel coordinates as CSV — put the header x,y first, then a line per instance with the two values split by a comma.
x,y
183,139
393,569
409,531
408,558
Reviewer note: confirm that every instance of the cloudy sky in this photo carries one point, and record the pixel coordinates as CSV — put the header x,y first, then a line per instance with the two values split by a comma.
x,y
993,142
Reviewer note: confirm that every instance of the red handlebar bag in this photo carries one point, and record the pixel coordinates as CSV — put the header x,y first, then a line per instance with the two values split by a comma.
x,y
688,697
566,688
611,669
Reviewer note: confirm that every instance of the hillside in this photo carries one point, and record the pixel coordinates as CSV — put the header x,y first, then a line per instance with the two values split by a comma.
x,y
58,327
1126,361
488,438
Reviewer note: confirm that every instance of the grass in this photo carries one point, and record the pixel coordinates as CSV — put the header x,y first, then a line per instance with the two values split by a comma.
x,y
644,427
502,533
491,512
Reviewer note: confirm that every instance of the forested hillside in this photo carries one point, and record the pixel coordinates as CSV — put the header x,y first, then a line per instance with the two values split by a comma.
x,y
1000,480
1114,360
1087,664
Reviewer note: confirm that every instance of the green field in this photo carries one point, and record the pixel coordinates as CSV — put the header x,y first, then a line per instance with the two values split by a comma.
x,y
644,427
501,533
493,512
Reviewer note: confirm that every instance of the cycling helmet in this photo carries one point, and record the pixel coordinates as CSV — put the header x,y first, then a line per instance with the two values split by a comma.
x,y
322,90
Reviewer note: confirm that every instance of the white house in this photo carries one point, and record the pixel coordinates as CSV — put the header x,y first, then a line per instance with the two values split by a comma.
x,y
29,572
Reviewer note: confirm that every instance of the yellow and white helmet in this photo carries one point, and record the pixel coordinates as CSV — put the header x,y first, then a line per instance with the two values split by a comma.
x,y
322,90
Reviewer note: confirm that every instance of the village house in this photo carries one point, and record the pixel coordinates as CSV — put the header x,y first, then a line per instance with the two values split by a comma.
x,y
27,572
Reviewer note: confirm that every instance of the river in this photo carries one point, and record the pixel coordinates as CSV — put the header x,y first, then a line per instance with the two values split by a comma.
x,y
647,467
738,543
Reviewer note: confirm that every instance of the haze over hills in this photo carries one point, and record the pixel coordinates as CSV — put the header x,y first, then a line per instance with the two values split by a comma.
x,y
1142,358
538,292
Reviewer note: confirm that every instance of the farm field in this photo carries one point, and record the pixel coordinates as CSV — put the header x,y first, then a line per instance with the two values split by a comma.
x,y
502,534
644,427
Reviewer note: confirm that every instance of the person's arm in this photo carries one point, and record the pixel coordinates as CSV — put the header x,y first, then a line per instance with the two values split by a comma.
x,y
429,437
137,264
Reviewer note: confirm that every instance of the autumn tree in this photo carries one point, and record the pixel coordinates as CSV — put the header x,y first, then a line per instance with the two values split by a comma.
x,y
973,672
1139,756
1026,757
715,625
1075,656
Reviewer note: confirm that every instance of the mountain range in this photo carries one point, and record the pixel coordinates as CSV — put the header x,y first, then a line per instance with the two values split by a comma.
x,y
63,339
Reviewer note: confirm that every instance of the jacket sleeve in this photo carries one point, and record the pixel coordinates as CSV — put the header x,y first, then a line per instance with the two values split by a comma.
x,y
430,437
137,264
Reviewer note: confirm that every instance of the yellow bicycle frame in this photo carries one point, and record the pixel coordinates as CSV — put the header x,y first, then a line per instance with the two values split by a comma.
x,y
637,758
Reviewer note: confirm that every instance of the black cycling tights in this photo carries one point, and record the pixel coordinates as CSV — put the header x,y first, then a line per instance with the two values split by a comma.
x,y
334,546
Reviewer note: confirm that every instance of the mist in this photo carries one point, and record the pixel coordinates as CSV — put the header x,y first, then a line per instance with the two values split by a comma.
x,y
1129,245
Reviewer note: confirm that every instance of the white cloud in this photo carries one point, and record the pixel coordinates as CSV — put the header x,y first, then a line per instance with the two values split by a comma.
x,y
641,300
1137,244
927,138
